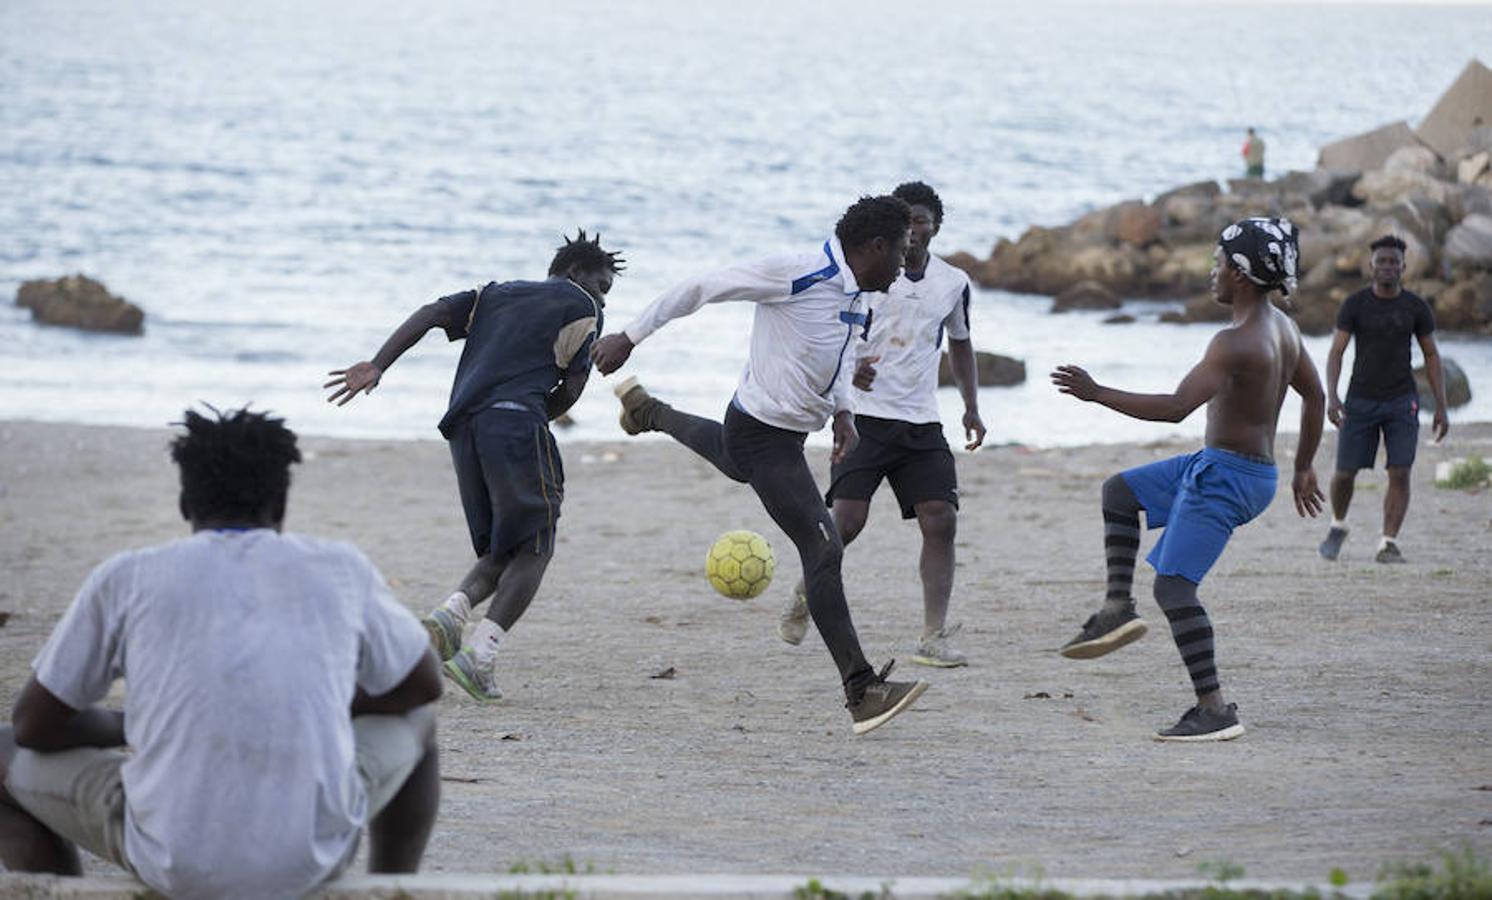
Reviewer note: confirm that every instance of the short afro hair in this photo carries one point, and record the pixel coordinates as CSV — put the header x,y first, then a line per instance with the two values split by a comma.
x,y
873,217
1389,242
917,193
585,254
235,465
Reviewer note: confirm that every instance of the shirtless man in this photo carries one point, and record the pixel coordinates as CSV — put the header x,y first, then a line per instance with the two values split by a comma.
x,y
1201,497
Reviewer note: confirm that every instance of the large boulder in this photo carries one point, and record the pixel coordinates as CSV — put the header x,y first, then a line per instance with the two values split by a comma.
x,y
1472,167
993,369
1198,309
1457,385
1469,244
1183,271
1368,151
1469,200
1465,105
1463,306
1385,187
78,301
1414,159
1085,295
1320,187
1136,224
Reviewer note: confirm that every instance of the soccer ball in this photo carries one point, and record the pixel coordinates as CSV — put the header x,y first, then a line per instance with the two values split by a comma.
x,y
740,564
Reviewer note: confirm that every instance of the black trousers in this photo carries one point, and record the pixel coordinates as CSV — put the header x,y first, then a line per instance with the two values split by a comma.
x,y
771,460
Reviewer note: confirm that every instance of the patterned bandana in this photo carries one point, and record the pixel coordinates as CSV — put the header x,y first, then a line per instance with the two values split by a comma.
x,y
1265,250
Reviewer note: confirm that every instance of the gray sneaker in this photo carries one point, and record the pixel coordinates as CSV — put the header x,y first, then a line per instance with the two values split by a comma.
x,y
445,632
1202,724
1333,544
1105,632
794,622
478,681
935,651
880,700
638,406
1389,554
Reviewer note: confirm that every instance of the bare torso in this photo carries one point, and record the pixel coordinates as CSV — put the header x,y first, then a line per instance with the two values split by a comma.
x,y
1259,356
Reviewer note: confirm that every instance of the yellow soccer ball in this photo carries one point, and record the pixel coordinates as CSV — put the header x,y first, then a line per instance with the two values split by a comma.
x,y
740,564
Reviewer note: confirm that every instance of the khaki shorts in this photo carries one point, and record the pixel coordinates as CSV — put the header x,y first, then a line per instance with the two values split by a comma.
x,y
79,793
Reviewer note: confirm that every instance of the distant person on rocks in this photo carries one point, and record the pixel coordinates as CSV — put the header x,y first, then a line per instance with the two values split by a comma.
x,y
276,700
1253,155
1381,397
1201,497
525,362
901,431
810,312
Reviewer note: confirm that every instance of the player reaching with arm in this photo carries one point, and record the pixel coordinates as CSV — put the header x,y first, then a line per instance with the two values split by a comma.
x,y
526,360
809,313
1201,497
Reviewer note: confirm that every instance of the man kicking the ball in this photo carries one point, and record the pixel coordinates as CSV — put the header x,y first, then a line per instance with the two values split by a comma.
x,y
526,360
809,313
1201,497
901,433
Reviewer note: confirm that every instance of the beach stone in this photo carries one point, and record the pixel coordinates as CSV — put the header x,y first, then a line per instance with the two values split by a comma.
x,y
1386,187
1465,305
1457,385
78,301
1205,190
1085,295
1472,167
993,370
1368,151
1184,271
1466,104
1320,187
1470,242
1413,159
1469,200
1198,309
1136,224
1119,319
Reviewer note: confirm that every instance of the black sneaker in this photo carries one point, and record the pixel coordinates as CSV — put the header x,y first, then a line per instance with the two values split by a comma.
x,y
1333,544
1202,724
882,699
1105,632
1389,554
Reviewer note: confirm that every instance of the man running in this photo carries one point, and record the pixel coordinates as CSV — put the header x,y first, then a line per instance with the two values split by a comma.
x,y
901,432
809,311
1201,497
526,360
1381,396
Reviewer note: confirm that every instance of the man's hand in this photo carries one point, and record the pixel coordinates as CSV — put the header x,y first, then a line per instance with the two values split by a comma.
x,y
845,436
865,372
357,378
973,429
1308,496
1075,381
611,351
1442,424
1334,411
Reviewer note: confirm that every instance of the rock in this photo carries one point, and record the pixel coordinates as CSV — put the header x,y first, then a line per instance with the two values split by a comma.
x,y
1465,105
1385,187
1465,305
80,302
1183,272
1198,309
1414,159
1205,190
1119,319
1470,243
1368,151
994,370
1135,224
1457,385
1468,200
1085,295
1472,167
1321,187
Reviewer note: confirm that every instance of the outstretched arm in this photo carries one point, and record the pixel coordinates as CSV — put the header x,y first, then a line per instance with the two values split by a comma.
x,y
1306,383
1435,372
46,724
1199,386
363,377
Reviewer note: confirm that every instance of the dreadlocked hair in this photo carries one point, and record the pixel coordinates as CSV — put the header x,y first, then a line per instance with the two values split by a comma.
x,y
874,217
916,193
586,255
235,465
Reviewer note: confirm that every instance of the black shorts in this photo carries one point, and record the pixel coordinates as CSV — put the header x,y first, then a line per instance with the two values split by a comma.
x,y
1363,419
511,480
914,458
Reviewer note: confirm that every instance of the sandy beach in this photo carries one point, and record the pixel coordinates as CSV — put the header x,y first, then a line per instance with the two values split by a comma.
x,y
1364,688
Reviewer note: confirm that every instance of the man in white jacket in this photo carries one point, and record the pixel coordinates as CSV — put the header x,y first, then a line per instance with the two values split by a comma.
x,y
809,315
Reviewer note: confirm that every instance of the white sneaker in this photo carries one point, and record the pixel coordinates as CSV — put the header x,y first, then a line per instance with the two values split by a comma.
x,y
935,651
794,622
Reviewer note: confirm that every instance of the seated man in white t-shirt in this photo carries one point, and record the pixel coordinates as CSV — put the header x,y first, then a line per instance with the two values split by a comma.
x,y
276,700
901,432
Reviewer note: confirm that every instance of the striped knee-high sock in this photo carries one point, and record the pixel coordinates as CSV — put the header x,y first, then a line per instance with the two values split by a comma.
x,y
1121,539
1190,628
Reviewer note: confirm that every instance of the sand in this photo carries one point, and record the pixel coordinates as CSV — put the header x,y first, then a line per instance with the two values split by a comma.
x,y
1364,688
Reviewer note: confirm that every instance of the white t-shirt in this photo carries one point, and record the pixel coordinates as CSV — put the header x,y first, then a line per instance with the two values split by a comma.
x,y
241,651
907,324
810,315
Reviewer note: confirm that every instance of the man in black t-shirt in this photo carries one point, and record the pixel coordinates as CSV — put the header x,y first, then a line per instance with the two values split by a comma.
x,y
526,359
1381,396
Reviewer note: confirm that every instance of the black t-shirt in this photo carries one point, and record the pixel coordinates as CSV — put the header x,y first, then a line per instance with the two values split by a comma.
x,y
1382,328
521,338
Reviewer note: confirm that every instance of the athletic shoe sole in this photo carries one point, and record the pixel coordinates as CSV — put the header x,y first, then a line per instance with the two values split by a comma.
x,y
938,662
453,672
440,640
907,700
1127,633
1225,734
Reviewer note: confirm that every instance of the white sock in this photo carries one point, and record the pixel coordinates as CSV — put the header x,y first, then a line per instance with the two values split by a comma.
x,y
1339,523
485,641
1386,540
459,605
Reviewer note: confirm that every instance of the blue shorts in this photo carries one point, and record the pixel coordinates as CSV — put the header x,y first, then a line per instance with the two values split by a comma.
x,y
1357,441
1199,499
511,480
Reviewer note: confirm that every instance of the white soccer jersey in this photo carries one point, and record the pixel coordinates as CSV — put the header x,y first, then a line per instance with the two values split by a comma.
x,y
809,317
907,325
